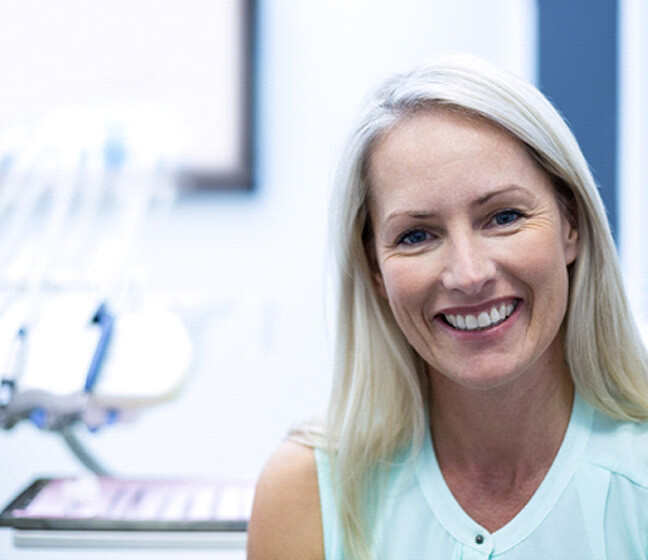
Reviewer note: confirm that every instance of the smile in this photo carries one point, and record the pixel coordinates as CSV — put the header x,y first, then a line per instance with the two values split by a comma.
x,y
484,320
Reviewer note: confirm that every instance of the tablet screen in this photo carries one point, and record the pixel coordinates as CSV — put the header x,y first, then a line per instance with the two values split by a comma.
x,y
114,503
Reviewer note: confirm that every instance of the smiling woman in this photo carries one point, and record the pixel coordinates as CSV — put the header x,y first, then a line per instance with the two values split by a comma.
x,y
491,393
493,237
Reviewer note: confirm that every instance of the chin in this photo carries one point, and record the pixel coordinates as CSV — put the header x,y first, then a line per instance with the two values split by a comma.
x,y
483,381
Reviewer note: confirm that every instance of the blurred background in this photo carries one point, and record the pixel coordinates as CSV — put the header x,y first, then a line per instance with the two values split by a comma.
x,y
233,114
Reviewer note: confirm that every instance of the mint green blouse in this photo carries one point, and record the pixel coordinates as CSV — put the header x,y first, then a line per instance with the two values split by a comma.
x,y
592,505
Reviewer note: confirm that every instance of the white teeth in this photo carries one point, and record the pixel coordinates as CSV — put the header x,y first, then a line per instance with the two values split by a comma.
x,y
484,320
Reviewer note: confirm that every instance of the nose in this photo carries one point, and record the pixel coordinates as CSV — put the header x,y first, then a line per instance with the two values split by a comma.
x,y
468,267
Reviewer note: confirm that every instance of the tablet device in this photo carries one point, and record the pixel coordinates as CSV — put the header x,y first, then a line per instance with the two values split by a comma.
x,y
117,504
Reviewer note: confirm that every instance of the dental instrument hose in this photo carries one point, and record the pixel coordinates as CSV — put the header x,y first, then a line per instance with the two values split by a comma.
x,y
81,453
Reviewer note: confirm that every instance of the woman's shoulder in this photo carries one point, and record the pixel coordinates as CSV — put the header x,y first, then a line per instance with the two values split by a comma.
x,y
620,447
286,520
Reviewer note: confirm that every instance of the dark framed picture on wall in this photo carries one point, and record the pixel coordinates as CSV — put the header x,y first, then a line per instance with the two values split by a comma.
x,y
185,65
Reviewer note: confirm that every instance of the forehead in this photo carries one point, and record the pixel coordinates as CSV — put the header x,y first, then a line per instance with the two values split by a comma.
x,y
438,133
450,150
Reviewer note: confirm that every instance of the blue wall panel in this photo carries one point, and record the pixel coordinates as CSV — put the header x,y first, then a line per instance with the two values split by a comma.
x,y
578,72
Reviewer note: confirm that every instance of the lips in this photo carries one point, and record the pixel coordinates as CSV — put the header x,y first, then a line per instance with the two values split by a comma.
x,y
485,319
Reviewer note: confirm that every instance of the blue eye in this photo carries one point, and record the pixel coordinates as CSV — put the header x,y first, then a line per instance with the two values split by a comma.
x,y
414,237
506,217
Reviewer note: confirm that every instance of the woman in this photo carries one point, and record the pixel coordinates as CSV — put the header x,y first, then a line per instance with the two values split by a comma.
x,y
490,385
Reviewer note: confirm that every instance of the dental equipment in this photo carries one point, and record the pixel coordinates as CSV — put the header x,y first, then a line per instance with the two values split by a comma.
x,y
82,347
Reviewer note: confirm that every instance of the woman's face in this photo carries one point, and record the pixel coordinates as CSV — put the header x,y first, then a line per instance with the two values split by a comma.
x,y
471,249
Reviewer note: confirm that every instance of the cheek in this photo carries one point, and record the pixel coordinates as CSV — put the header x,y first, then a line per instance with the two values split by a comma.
x,y
408,291
545,272
406,285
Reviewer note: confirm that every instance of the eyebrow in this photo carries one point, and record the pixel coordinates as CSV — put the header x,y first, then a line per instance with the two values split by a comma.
x,y
478,202
503,190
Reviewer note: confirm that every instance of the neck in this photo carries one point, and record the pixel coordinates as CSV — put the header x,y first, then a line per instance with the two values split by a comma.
x,y
495,446
520,426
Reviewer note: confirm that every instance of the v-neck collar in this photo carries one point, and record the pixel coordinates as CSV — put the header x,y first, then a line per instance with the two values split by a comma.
x,y
466,530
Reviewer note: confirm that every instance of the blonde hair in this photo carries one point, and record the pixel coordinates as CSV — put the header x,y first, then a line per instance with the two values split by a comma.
x,y
378,403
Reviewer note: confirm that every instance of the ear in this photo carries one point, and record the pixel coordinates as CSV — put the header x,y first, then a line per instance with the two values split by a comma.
x,y
374,269
378,283
570,240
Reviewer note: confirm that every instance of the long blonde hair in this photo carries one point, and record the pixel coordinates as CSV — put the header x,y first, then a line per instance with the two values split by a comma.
x,y
378,403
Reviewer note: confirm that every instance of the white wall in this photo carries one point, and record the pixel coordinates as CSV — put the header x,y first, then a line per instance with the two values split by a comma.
x,y
249,271
633,144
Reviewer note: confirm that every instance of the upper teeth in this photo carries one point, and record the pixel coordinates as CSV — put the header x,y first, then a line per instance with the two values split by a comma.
x,y
483,320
